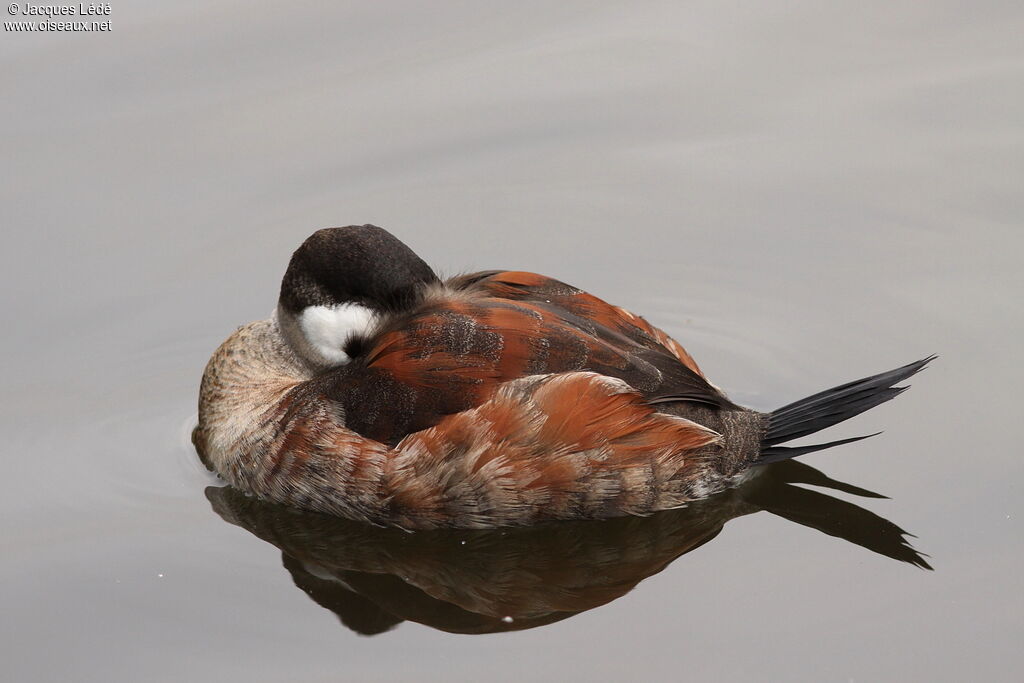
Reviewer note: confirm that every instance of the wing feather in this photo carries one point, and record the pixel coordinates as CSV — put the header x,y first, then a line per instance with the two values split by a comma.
x,y
557,446
452,353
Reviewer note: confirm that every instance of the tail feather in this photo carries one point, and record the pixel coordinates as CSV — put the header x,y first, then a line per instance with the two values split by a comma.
x,y
772,454
830,407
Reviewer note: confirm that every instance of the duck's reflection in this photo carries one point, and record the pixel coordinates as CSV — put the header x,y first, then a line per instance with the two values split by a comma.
x,y
465,581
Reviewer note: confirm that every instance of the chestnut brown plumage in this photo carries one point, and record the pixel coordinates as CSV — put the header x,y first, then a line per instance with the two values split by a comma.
x,y
499,398
488,580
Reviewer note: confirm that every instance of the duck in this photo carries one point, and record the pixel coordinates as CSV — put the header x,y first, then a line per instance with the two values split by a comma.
x,y
381,393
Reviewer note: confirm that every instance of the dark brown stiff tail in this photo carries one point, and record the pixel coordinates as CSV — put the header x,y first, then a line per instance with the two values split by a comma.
x,y
827,408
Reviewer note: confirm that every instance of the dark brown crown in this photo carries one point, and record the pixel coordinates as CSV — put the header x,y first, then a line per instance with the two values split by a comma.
x,y
356,264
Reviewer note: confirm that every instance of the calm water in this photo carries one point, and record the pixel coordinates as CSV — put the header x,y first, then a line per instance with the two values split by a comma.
x,y
802,195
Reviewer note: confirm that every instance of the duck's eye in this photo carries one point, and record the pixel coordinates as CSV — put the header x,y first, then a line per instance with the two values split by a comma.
x,y
329,328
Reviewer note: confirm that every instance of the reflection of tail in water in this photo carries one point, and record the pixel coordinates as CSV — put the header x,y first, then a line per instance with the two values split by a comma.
x,y
827,514
468,581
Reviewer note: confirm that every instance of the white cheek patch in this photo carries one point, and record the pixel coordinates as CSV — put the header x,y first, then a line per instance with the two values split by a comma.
x,y
327,328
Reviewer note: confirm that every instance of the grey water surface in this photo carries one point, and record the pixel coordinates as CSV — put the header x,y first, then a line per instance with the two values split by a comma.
x,y
802,193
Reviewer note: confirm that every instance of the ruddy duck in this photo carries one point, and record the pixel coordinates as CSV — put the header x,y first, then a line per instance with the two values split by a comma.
x,y
381,393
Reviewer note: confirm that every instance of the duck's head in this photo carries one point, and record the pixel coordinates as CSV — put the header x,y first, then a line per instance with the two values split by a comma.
x,y
338,286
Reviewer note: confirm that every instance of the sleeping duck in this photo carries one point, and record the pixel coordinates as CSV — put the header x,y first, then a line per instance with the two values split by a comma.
x,y
379,392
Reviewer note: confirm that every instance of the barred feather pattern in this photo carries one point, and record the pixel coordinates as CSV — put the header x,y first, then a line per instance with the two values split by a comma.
x,y
524,286
574,445
467,337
